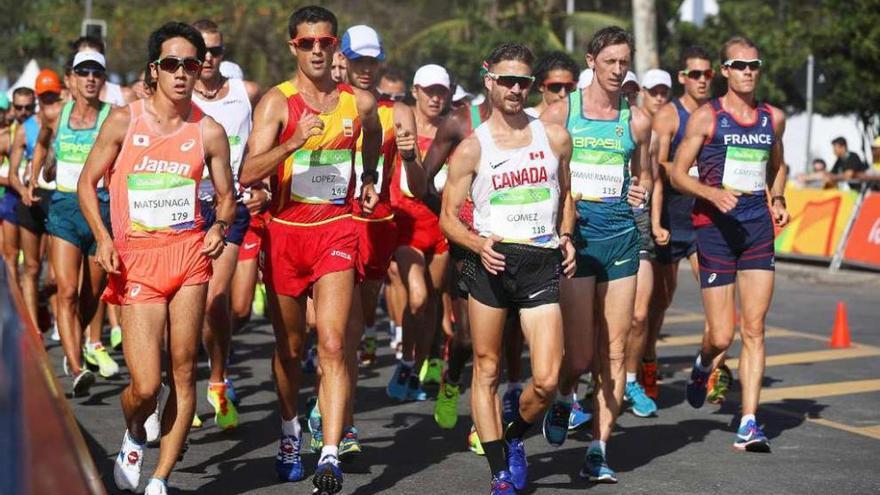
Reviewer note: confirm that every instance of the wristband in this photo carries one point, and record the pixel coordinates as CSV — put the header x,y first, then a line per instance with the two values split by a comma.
x,y
410,157
778,198
566,234
370,174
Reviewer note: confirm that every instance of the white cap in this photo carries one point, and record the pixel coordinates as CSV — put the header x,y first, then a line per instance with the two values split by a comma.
x,y
362,41
630,77
585,78
460,93
89,56
478,100
656,77
231,70
431,75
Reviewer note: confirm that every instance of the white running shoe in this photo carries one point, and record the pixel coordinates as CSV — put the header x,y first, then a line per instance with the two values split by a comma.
x,y
56,337
153,424
127,470
156,487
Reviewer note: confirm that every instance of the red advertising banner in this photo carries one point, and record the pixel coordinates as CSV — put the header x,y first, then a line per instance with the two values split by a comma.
x,y
863,243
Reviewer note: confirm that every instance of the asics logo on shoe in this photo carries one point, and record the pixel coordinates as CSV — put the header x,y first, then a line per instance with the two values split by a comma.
x,y
188,145
133,457
712,277
620,262
141,140
536,294
135,290
340,254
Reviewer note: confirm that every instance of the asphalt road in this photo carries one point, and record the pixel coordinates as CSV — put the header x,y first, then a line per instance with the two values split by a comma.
x,y
819,408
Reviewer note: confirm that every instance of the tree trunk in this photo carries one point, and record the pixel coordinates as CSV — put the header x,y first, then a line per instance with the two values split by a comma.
x,y
645,31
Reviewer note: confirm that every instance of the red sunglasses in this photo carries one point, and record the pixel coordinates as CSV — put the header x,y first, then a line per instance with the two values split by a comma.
x,y
308,42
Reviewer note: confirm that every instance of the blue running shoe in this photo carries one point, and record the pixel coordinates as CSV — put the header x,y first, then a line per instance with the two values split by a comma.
x,y
414,389
316,443
288,463
696,387
510,405
502,484
556,423
642,405
328,478
596,468
751,438
399,383
578,416
517,465
231,396
310,363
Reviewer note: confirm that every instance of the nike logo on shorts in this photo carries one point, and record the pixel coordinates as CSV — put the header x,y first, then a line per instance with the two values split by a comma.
x,y
536,294
621,262
250,246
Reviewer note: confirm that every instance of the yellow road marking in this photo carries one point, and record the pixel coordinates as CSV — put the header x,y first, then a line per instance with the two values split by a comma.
x,y
867,431
683,318
697,338
819,390
858,351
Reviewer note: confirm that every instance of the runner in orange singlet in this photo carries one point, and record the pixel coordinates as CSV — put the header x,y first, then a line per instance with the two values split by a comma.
x,y
152,153
304,137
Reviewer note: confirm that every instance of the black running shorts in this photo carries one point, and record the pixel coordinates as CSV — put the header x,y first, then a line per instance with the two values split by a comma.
x,y
530,278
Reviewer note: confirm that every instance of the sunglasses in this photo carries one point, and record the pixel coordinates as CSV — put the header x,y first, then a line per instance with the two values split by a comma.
x,y
738,64
391,96
24,107
308,42
511,80
86,72
556,87
216,51
171,64
697,74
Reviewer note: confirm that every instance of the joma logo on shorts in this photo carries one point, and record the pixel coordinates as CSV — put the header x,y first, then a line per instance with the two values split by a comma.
x,y
151,165
340,254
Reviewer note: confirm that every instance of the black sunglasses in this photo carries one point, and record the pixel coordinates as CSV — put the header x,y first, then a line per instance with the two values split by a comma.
x,y
697,74
85,72
30,106
216,51
556,87
391,96
171,64
738,64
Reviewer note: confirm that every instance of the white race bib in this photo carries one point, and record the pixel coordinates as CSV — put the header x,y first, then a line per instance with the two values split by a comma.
x,y
321,176
745,169
597,175
440,178
67,176
523,215
359,169
161,201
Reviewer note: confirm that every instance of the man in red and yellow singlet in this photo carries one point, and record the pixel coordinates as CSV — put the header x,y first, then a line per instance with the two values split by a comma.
x,y
304,139
151,154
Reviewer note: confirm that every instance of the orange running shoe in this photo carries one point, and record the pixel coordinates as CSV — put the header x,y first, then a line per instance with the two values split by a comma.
x,y
649,378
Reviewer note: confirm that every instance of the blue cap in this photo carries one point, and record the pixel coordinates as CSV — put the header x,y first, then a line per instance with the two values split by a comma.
x,y
362,41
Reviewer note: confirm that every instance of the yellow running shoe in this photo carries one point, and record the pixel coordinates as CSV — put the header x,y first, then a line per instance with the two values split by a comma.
x,y
432,371
197,421
100,358
446,407
225,414
474,442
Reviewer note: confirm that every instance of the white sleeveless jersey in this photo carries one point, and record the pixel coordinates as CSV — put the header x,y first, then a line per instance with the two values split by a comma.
x,y
516,191
113,94
233,112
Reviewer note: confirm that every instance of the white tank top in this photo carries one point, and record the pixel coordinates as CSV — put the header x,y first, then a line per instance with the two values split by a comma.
x,y
113,94
516,191
233,112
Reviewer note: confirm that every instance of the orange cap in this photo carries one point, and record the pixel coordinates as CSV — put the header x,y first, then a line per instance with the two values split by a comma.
x,y
47,82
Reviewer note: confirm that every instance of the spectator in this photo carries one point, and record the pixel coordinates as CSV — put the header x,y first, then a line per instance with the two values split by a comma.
x,y
875,155
848,165
818,176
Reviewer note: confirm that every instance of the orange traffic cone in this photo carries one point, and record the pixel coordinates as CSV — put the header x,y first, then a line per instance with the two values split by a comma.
x,y
840,333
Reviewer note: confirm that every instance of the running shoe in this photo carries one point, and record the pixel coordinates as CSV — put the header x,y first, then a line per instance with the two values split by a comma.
x,y
100,359
397,387
414,390
349,446
197,421
328,477
432,371
230,392
696,387
578,416
368,351
156,486
316,440
556,423
82,382
502,484
116,337
153,424
649,379
510,404
127,469
259,304
225,413
751,438
517,464
719,384
474,442
55,336
288,464
642,405
446,407
596,468
310,363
